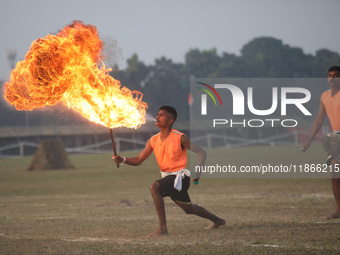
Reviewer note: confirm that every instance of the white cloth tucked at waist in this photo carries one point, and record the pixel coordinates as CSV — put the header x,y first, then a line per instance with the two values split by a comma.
x,y
180,174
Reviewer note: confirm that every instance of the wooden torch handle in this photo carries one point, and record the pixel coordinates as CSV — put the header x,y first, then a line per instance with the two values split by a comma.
x,y
113,145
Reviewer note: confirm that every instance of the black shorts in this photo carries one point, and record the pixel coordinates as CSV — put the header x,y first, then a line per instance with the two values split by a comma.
x,y
329,156
168,190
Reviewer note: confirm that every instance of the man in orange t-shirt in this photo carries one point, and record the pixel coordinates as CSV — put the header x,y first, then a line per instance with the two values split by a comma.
x,y
169,147
330,105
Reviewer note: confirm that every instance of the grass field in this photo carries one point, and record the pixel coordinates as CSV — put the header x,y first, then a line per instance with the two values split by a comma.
x,y
99,209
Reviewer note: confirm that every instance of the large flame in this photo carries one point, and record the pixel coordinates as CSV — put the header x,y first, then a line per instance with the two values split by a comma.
x,y
68,67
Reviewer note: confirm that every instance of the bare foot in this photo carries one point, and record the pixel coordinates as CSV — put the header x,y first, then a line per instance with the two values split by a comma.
x,y
335,215
157,233
216,224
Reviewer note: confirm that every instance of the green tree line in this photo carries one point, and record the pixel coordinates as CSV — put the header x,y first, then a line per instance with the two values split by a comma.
x,y
167,83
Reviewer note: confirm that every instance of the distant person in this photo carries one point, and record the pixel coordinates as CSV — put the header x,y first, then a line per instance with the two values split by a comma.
x,y
169,147
330,105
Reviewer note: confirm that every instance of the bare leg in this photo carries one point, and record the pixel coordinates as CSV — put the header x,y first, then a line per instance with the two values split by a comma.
x,y
336,189
160,208
202,212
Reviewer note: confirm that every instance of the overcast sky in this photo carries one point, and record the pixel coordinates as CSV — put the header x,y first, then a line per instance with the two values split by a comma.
x,y
157,28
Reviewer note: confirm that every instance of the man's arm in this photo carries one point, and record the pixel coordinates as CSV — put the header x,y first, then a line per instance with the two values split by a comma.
x,y
202,155
135,161
316,126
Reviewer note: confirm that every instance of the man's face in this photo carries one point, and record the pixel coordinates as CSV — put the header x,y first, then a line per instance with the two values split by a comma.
x,y
334,79
163,119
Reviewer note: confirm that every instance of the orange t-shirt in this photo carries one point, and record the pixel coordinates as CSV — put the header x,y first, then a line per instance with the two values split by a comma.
x,y
169,154
332,106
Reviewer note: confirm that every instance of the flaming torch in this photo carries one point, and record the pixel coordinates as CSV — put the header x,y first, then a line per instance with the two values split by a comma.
x,y
68,68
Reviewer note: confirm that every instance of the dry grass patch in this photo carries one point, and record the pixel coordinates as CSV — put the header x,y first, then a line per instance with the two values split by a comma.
x,y
99,209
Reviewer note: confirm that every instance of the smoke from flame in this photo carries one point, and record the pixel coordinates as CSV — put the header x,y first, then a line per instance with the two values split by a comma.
x,y
68,68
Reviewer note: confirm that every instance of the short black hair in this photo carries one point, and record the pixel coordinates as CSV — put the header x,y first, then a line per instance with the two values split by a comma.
x,y
334,68
170,110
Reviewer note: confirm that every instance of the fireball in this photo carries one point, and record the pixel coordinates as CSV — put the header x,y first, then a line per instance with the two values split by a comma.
x,y
68,68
